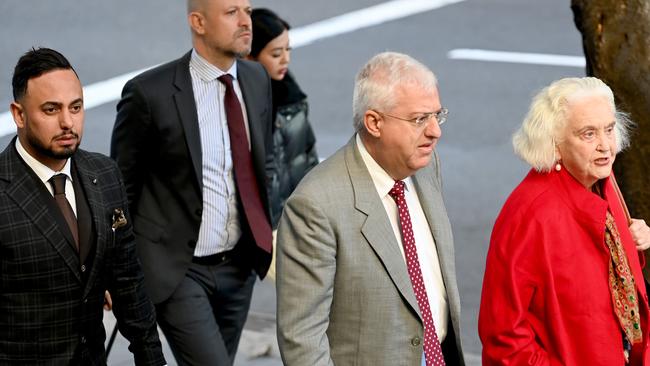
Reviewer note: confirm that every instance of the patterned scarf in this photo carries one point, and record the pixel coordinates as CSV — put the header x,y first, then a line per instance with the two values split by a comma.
x,y
621,283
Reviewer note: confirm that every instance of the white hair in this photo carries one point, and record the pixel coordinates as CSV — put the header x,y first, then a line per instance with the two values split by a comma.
x,y
377,80
538,135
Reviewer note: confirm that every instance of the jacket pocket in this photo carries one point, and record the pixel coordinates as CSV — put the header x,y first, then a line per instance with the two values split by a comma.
x,y
145,228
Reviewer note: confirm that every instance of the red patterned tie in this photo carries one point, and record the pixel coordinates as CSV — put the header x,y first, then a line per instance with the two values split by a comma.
x,y
249,192
432,350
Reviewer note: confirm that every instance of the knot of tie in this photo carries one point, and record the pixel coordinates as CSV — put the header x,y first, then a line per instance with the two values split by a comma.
x,y
58,183
226,79
398,190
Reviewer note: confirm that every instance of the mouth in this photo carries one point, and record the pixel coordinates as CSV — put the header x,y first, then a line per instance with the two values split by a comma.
x,y
427,148
67,139
245,34
603,161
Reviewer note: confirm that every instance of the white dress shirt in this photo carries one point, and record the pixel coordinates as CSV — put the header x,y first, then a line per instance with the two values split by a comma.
x,y
44,173
220,227
424,242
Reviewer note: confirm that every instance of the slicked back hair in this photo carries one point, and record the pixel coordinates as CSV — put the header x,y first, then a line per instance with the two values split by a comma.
x,y
35,63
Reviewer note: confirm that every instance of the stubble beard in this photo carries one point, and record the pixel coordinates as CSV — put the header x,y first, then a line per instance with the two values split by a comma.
x,y
49,152
246,49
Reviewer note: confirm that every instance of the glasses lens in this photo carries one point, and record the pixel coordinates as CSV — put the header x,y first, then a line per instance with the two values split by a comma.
x,y
441,116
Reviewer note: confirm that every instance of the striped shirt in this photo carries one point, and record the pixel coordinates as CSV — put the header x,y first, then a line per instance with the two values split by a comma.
x,y
220,227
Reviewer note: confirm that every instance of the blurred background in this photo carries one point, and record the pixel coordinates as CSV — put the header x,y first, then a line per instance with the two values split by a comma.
x,y
490,57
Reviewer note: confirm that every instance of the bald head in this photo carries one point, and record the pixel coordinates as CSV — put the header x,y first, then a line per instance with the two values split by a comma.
x,y
195,5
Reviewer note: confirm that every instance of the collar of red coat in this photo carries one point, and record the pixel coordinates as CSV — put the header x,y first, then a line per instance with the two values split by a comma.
x,y
591,209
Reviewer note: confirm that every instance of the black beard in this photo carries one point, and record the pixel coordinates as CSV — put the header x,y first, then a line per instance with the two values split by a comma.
x,y
42,150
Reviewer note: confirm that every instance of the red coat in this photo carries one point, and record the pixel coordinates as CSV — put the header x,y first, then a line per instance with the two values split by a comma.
x,y
546,297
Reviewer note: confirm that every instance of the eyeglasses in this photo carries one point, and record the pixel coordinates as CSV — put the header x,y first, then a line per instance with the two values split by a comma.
x,y
422,120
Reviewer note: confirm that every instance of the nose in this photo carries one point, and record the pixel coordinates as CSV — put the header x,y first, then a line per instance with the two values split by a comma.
x,y
66,120
245,19
286,57
433,129
606,143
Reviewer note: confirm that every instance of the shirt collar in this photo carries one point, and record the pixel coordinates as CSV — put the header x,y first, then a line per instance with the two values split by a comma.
x,y
207,71
383,181
42,171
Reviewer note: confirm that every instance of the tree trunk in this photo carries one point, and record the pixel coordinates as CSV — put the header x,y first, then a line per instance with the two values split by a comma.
x,y
616,42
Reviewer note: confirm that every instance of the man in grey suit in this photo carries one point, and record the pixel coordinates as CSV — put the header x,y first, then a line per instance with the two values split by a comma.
x,y
191,138
365,261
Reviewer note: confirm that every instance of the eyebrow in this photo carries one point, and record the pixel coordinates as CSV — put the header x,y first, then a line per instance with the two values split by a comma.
x,y
59,104
591,127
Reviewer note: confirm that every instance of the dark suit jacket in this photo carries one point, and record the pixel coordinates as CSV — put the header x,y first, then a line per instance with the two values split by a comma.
x,y
157,145
50,308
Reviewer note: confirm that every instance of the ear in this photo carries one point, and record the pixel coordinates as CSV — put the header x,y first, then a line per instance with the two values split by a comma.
x,y
18,113
373,123
558,154
196,22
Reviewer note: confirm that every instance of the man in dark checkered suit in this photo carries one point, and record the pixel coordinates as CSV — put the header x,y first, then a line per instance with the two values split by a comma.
x,y
58,257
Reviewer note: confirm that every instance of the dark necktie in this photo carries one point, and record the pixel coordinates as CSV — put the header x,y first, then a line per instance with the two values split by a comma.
x,y
58,185
249,192
432,349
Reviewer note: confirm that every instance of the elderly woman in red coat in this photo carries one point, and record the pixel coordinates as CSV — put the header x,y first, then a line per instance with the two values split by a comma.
x,y
563,282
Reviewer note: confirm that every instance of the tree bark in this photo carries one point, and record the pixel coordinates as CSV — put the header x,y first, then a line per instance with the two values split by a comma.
x,y
616,42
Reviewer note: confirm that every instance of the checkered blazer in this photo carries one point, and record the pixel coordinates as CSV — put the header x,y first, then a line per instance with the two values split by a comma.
x,y
50,308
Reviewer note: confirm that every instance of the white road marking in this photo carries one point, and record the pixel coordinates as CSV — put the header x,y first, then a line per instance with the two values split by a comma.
x,y
363,18
516,57
109,90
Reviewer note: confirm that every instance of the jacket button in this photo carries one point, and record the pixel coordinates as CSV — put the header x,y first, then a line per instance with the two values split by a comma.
x,y
415,341
83,268
198,212
85,301
83,340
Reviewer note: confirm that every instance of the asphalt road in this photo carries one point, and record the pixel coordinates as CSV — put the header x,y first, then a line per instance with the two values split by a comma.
x,y
487,100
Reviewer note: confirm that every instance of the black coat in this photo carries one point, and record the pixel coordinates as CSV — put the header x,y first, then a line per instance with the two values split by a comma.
x,y
157,145
294,149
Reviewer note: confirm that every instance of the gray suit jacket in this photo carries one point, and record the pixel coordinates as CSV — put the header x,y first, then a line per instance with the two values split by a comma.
x,y
344,293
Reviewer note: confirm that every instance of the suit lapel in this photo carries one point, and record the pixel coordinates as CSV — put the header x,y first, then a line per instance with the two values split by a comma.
x,y
257,110
253,111
432,204
186,106
96,205
377,229
27,192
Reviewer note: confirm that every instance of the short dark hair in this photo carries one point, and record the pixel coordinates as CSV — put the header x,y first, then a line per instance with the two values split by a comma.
x,y
266,26
35,63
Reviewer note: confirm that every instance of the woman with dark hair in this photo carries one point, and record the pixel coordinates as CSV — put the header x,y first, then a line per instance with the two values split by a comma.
x,y
293,138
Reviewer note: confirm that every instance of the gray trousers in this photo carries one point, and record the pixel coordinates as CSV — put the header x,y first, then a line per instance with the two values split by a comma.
x,y
204,317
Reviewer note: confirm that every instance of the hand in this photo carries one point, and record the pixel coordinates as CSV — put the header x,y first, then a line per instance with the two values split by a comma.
x,y
108,302
641,234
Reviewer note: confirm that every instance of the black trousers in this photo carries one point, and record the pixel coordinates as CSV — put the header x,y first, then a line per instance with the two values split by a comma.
x,y
204,317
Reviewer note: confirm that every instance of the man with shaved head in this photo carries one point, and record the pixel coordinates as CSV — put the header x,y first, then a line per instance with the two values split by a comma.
x,y
191,138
